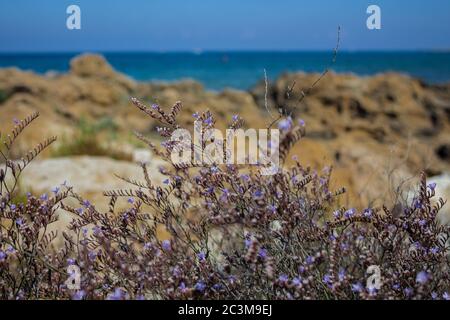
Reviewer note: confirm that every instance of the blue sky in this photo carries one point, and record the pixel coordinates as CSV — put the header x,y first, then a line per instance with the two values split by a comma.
x,y
186,25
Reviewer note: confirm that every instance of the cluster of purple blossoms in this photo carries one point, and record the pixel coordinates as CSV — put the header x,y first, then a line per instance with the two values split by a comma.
x,y
223,232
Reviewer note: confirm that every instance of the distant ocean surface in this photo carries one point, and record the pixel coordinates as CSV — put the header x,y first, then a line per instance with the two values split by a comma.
x,y
242,70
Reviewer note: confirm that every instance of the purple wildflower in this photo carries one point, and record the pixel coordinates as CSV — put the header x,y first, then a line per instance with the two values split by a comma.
x,y
283,278
297,281
10,249
337,214
201,256
147,246
86,204
92,255
247,242
84,230
372,291
2,256
341,275
208,121
225,195
118,294
166,245
357,287
272,208
368,213
257,194
176,271
417,204
214,169
432,186
285,124
350,213
200,286
327,279
96,230
218,286
434,250
262,253
79,295
408,291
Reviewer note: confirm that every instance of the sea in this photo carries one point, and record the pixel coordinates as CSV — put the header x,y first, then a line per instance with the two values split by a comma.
x,y
242,70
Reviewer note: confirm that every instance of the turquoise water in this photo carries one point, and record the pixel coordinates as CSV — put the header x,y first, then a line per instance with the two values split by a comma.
x,y
242,70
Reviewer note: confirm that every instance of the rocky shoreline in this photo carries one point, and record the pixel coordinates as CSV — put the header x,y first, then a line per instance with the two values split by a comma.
x,y
376,132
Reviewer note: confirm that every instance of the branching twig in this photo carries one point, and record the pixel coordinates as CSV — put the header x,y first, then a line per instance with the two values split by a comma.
x,y
265,94
304,93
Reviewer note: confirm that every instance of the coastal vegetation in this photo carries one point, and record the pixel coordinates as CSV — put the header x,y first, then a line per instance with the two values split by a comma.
x,y
357,188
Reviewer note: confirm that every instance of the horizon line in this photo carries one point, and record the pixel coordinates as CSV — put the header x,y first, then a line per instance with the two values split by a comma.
x,y
200,52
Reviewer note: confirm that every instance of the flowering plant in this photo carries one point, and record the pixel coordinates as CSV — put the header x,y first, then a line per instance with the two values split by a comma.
x,y
232,234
